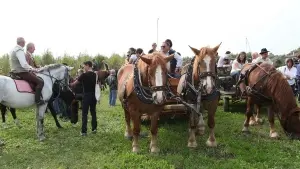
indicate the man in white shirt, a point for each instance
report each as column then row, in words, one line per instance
column 20, row 67
column 132, row 56
column 174, row 66
column 289, row 72
column 222, row 58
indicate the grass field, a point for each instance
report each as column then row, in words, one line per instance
column 65, row 148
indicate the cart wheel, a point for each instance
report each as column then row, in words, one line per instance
column 226, row 104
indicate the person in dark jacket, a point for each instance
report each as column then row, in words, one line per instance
column 88, row 80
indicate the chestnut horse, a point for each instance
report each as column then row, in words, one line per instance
column 197, row 86
column 267, row 86
column 142, row 89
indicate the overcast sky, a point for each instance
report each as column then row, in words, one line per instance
column 108, row 26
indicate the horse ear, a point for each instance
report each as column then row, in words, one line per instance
column 196, row 51
column 169, row 58
column 146, row 60
column 215, row 49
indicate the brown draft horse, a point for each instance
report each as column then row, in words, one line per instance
column 201, row 76
column 149, row 72
column 267, row 86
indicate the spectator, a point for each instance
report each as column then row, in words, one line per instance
column 289, row 72
column 221, row 59
column 153, row 48
column 113, row 86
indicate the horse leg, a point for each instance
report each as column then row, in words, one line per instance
column 212, row 108
column 3, row 112
column 14, row 115
column 74, row 111
column 128, row 131
column 248, row 114
column 40, row 114
column 258, row 118
column 136, row 131
column 53, row 113
column 201, row 125
column 153, row 145
column 192, row 143
column 253, row 121
column 273, row 133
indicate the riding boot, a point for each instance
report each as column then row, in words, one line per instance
column 38, row 94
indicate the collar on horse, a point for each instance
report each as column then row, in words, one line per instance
column 255, row 90
column 143, row 93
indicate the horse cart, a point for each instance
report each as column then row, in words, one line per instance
column 227, row 87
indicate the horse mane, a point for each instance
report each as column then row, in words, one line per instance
column 50, row 67
column 280, row 91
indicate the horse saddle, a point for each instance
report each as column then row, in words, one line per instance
column 22, row 85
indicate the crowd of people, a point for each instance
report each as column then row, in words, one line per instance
column 290, row 71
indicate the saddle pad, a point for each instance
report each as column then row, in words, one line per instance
column 23, row 86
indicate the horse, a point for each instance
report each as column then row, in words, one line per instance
column 142, row 89
column 13, row 94
column 197, row 86
column 66, row 96
column 267, row 86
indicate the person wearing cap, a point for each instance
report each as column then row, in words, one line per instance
column 264, row 57
column 222, row 58
column 174, row 66
column 153, row 48
column 289, row 72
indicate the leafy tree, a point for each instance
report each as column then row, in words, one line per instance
column 47, row 58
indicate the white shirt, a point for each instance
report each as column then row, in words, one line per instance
column 133, row 57
column 21, row 57
column 236, row 66
column 260, row 59
column 290, row 72
column 221, row 60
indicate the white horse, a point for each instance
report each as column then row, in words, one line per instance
column 10, row 96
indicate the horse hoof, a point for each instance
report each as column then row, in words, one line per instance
column 246, row 130
column 274, row 135
column 154, row 149
column 192, row 144
column 42, row 138
column 211, row 143
column 260, row 121
column 252, row 123
column 135, row 149
column 4, row 125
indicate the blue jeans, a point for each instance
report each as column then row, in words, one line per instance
column 112, row 97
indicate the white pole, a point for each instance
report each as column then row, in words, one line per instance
column 157, row 32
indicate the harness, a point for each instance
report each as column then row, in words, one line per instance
column 143, row 93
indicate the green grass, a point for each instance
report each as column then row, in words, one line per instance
column 65, row 148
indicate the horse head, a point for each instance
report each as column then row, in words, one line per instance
column 57, row 72
column 153, row 72
column 204, row 68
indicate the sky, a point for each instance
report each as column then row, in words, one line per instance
column 113, row 26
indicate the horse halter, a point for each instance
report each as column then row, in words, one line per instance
column 144, row 93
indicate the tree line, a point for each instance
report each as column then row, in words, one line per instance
column 115, row 61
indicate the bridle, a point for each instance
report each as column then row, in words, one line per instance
column 64, row 83
column 144, row 93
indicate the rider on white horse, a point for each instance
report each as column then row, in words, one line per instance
column 20, row 67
